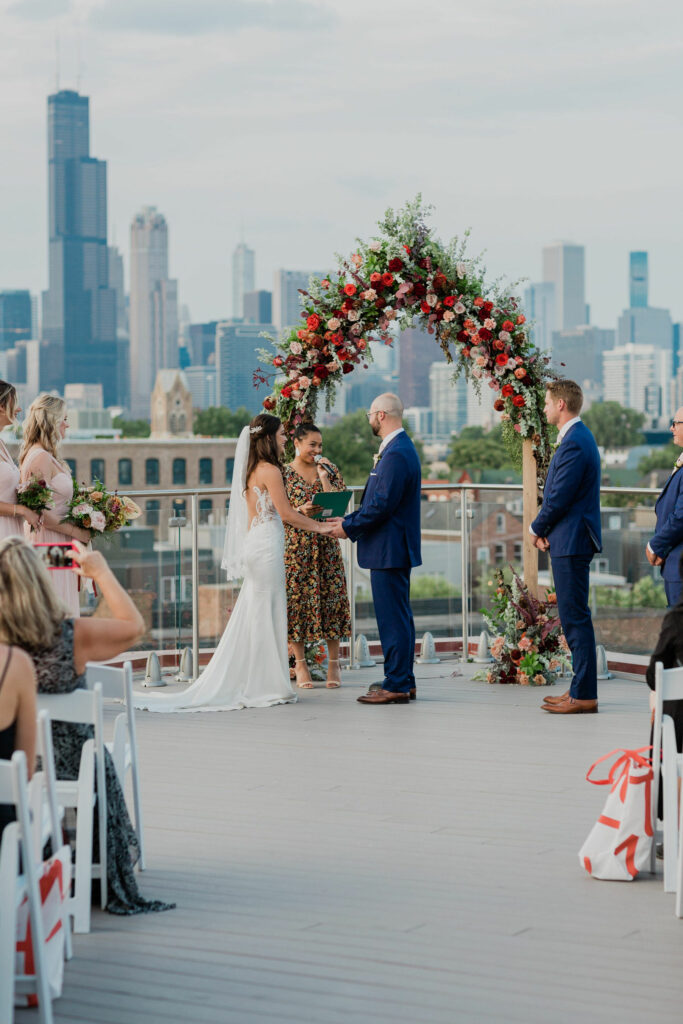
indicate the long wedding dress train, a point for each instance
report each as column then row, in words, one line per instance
column 250, row 667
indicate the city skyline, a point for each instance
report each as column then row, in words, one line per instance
column 525, row 183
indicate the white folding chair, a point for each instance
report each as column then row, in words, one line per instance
column 668, row 686
column 50, row 804
column 117, row 684
column 18, row 837
column 84, row 707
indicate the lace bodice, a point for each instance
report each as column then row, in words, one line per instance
column 265, row 510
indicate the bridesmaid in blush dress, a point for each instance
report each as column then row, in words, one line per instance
column 45, row 427
column 12, row 515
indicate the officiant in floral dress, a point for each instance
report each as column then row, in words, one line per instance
column 317, row 602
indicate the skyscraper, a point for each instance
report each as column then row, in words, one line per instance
column 563, row 265
column 15, row 318
column 539, row 307
column 153, row 307
column 258, row 307
column 637, row 279
column 638, row 376
column 577, row 353
column 79, row 307
column 237, row 357
column 287, row 286
column 417, row 351
column 243, row 277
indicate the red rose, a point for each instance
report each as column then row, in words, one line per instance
column 499, row 405
column 286, row 391
column 347, row 368
column 419, row 290
column 268, row 403
column 395, row 264
column 478, row 302
column 462, row 336
column 449, row 301
column 313, row 321
column 321, row 372
column 278, row 361
column 488, row 306
column 424, row 264
column 507, row 390
column 347, row 304
column 387, row 280
column 499, row 345
column 425, row 307
column 350, row 289
column 518, row 400
column 380, row 303
column 508, row 325
column 501, row 359
column 485, row 334
column 521, row 319
column 375, row 278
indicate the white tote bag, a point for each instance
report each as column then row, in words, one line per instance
column 619, row 844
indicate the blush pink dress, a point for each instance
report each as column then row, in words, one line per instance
column 64, row 581
column 10, row 526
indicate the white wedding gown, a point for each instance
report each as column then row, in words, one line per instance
column 250, row 666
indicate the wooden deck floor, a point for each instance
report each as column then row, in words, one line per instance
column 334, row 862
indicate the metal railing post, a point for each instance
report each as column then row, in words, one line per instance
column 350, row 554
column 464, row 573
column 195, row 585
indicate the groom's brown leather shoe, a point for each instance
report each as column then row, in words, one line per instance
column 412, row 694
column 572, row 706
column 556, row 700
column 384, row 697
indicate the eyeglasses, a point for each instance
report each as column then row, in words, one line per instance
column 677, row 423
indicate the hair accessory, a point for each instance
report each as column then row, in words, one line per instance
column 254, row 430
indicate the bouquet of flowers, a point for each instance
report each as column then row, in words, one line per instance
column 315, row 653
column 98, row 510
column 530, row 647
column 35, row 494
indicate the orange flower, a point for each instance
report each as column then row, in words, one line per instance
column 478, row 301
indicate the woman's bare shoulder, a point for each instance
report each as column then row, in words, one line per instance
column 21, row 663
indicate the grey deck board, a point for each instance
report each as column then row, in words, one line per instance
column 333, row 862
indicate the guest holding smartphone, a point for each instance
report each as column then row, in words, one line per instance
column 317, row 603
column 12, row 515
column 44, row 430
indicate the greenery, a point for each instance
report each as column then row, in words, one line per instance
column 350, row 444
column 217, row 421
column 662, row 458
column 473, row 447
column 131, row 428
column 646, row 593
column 422, row 587
column 613, row 426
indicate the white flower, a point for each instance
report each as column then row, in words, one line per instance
column 334, row 324
column 353, row 315
column 431, row 299
column 357, row 329
column 459, row 308
column 511, row 364
column 369, row 295
column 449, row 315
column 490, row 324
column 82, row 510
column 504, row 336
column 375, row 246
column 98, row 521
column 295, row 348
column 461, row 269
column 293, row 374
column 303, row 382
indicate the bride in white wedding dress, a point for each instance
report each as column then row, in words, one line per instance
column 250, row 667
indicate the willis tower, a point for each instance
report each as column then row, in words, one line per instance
column 79, row 307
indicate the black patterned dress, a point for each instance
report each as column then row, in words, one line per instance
column 56, row 674
column 317, row 603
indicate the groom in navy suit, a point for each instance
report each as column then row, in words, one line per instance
column 568, row 525
column 386, row 527
column 666, row 546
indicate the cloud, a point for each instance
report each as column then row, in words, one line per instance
column 39, row 10
column 183, row 18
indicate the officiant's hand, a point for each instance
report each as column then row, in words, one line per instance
column 309, row 509
column 337, row 528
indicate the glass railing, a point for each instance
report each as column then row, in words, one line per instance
column 169, row 561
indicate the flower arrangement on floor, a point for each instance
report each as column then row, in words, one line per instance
column 98, row 510
column 402, row 278
column 529, row 646
column 315, row 653
column 35, row 494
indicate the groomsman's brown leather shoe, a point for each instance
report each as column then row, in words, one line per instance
column 556, row 700
column 572, row 706
column 384, row 697
column 413, row 694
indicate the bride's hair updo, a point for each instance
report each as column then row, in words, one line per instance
column 263, row 445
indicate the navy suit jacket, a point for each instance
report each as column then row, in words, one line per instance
column 570, row 514
column 386, row 526
column 668, row 539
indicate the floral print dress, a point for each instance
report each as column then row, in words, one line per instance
column 317, row 603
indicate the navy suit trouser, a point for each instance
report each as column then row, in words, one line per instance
column 570, row 573
column 674, row 590
column 391, row 598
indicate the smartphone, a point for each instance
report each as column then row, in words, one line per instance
column 56, row 556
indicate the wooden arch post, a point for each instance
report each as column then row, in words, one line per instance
column 529, row 510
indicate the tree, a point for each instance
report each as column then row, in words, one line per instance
column 131, row 428
column 662, row 458
column 614, row 426
column 217, row 421
column 476, row 449
column 350, row 444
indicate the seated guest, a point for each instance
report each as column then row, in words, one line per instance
column 17, row 712
column 60, row 645
column 669, row 651
column 317, row 604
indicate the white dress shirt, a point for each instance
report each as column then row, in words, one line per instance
column 388, row 438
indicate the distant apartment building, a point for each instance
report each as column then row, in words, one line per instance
column 153, row 307
column 564, row 267
column 418, row 351
column 447, row 400
column 638, row 376
column 577, row 353
column 243, row 277
column 201, row 339
column 258, row 307
column 287, row 285
column 201, row 380
column 237, row 357
column 539, row 308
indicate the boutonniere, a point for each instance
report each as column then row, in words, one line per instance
column 375, row 458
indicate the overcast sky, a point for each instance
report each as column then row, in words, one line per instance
column 302, row 120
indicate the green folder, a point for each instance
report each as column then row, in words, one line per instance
column 332, row 503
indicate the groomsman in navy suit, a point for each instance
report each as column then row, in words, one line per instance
column 386, row 528
column 666, row 546
column 568, row 525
